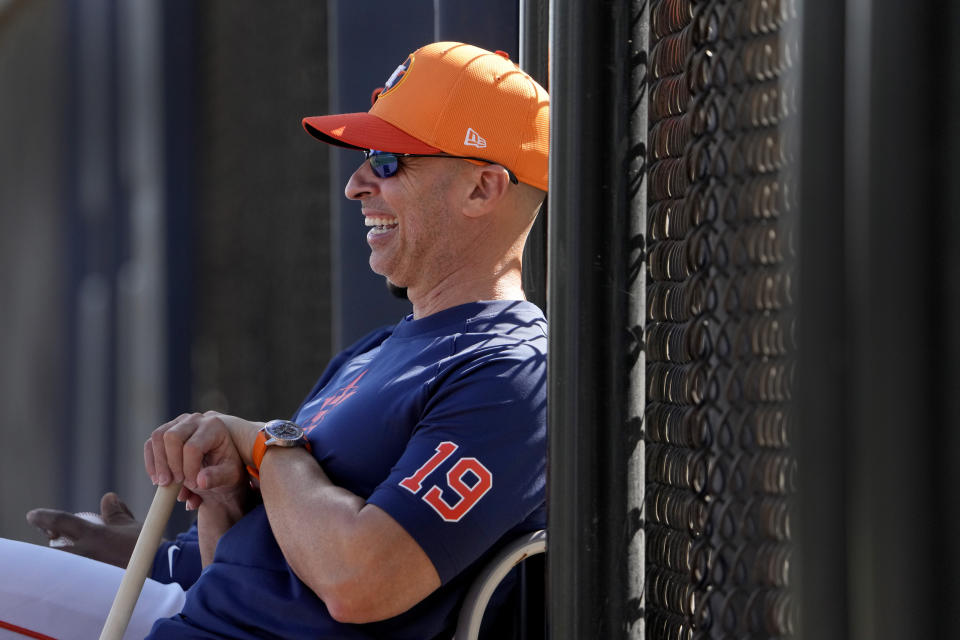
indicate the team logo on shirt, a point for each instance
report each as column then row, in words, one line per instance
column 467, row 478
column 332, row 401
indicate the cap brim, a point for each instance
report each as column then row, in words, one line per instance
column 364, row 131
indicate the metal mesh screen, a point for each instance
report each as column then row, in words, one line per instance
column 720, row 329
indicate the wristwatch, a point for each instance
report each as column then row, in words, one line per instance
column 276, row 433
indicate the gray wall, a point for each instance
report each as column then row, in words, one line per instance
column 207, row 241
column 31, row 259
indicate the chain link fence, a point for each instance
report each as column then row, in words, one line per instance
column 720, row 335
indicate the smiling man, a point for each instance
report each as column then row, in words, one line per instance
column 422, row 451
column 457, row 146
column 425, row 453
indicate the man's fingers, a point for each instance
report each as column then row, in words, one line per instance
column 194, row 451
column 216, row 476
column 181, row 442
column 148, row 460
column 173, row 453
column 59, row 523
column 155, row 452
column 158, row 452
column 41, row 519
column 114, row 511
column 210, row 436
column 191, row 500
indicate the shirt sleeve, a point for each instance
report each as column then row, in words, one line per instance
column 178, row 560
column 474, row 468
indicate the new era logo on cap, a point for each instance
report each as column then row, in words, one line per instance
column 474, row 139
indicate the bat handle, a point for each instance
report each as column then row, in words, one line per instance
column 141, row 561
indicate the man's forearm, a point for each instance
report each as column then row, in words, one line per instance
column 213, row 520
column 312, row 519
column 354, row 556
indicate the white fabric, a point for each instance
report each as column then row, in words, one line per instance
column 68, row 597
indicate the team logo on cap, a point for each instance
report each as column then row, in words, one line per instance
column 474, row 139
column 397, row 77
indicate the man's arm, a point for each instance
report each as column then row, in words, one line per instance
column 178, row 560
column 198, row 451
column 111, row 542
column 355, row 557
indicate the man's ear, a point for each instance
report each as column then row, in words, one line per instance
column 490, row 186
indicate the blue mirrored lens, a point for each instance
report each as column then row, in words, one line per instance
column 383, row 164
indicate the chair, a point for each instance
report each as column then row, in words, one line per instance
column 475, row 603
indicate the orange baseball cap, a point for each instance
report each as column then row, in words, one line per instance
column 454, row 98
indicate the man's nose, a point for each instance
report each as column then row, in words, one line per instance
column 362, row 183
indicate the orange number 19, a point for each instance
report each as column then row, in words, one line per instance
column 469, row 495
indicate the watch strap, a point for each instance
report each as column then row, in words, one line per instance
column 260, row 449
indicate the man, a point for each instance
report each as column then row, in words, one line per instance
column 419, row 455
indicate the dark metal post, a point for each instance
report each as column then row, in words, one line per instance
column 878, row 317
column 534, row 36
column 591, row 354
column 895, row 218
column 948, row 161
column 822, row 405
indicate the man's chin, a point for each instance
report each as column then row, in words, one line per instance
column 396, row 290
column 376, row 266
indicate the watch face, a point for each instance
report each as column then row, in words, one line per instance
column 283, row 430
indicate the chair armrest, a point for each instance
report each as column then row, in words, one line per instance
column 475, row 603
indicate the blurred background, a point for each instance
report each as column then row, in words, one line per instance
column 170, row 238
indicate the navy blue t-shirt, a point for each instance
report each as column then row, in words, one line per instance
column 178, row 560
column 443, row 426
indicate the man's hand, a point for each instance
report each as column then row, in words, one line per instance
column 201, row 451
column 204, row 453
column 110, row 542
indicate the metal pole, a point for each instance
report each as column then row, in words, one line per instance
column 591, row 434
column 878, row 282
column 822, row 406
column 895, row 218
column 534, row 35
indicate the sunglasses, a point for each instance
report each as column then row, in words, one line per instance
column 386, row 164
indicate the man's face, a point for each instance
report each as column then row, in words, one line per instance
column 412, row 221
